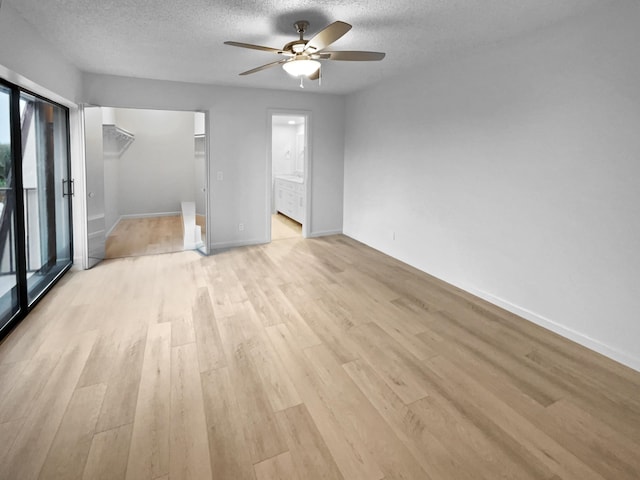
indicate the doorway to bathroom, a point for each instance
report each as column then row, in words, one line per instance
column 289, row 175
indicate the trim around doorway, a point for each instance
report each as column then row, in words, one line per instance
column 308, row 163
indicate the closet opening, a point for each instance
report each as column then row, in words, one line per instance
column 146, row 182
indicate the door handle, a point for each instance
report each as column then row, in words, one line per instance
column 70, row 190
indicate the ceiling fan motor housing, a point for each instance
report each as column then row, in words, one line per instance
column 296, row 46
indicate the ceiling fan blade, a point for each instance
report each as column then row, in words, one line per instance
column 264, row 67
column 355, row 56
column 315, row 75
column 254, row 47
column 326, row 37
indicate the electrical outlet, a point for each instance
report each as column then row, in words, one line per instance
column 241, row 227
column 219, row 176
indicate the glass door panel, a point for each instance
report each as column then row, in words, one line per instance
column 9, row 304
column 45, row 163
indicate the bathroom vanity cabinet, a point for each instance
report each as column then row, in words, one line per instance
column 289, row 197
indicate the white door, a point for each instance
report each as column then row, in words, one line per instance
column 201, row 181
column 94, row 161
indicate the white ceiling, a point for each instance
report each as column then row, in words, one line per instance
column 182, row 40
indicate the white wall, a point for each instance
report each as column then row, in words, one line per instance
column 238, row 138
column 514, row 175
column 283, row 146
column 283, row 153
column 28, row 60
column 300, row 148
column 156, row 172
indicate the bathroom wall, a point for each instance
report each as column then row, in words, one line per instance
column 283, row 149
column 300, row 149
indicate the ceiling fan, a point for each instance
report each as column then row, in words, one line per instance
column 303, row 55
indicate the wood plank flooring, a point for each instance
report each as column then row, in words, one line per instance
column 146, row 236
column 301, row 359
column 283, row 227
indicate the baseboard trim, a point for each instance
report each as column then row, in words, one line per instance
column 324, row 233
column 112, row 228
column 151, row 215
column 97, row 234
column 239, row 243
column 540, row 320
column 569, row 333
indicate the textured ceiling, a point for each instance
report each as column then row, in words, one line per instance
column 182, row 40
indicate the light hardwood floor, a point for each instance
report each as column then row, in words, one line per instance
column 301, row 359
column 284, row 227
column 146, row 236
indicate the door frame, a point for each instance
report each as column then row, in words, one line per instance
column 87, row 261
column 308, row 162
column 207, row 183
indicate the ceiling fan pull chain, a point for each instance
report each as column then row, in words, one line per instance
column 301, row 84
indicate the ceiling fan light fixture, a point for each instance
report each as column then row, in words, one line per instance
column 301, row 67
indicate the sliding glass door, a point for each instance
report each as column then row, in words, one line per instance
column 35, row 191
column 9, row 305
column 45, row 169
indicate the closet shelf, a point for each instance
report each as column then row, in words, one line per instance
column 116, row 139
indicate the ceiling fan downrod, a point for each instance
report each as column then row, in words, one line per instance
column 301, row 27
